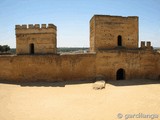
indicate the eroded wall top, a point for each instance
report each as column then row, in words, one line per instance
column 108, row 32
column 37, row 28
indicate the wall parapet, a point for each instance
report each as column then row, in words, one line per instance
column 146, row 45
column 111, row 16
column 35, row 28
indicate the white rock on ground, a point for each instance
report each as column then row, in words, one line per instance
column 99, row 85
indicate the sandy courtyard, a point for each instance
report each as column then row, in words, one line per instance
column 70, row 101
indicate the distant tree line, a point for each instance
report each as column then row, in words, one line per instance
column 71, row 49
column 4, row 48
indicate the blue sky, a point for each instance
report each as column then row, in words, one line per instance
column 72, row 18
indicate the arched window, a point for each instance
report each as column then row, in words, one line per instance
column 120, row 74
column 119, row 41
column 31, row 48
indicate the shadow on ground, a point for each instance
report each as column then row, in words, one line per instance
column 63, row 83
column 133, row 82
column 48, row 84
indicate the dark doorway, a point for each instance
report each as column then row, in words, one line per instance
column 119, row 40
column 120, row 74
column 31, row 48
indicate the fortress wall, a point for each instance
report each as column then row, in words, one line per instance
column 78, row 66
column 43, row 43
column 47, row 67
column 105, row 29
column 92, row 36
column 43, row 37
column 37, row 28
column 157, row 66
column 137, row 64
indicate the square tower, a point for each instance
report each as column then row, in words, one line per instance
column 109, row 32
column 33, row 39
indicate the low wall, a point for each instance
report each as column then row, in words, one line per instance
column 47, row 67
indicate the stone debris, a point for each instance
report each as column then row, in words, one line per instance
column 99, row 85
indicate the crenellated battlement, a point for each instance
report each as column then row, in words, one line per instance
column 32, row 26
column 36, row 39
column 146, row 45
column 35, row 28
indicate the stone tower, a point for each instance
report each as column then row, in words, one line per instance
column 33, row 39
column 109, row 32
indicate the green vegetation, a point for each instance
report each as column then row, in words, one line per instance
column 4, row 49
column 60, row 49
column 13, row 51
column 71, row 49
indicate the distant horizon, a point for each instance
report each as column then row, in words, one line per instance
column 72, row 18
column 87, row 47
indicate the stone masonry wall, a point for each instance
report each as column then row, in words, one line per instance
column 43, row 38
column 105, row 29
column 137, row 64
column 109, row 54
column 47, row 67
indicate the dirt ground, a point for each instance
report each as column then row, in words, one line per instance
column 120, row 100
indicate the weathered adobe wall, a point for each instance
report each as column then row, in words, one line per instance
column 104, row 31
column 47, row 67
column 138, row 64
column 92, row 35
column 44, row 38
